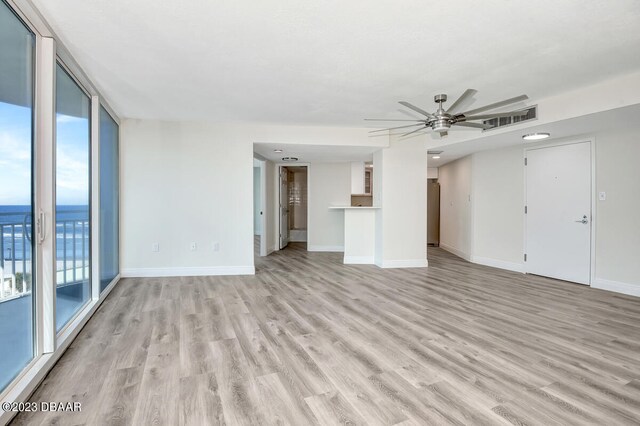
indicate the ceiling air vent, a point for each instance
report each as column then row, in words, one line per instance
column 532, row 114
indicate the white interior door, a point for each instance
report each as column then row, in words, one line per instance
column 558, row 215
column 284, row 207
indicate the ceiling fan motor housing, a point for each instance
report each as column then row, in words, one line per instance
column 441, row 125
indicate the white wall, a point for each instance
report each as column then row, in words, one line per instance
column 617, row 228
column 497, row 207
column 329, row 185
column 183, row 183
column 455, row 207
column 357, row 177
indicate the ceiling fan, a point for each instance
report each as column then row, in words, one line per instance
column 441, row 120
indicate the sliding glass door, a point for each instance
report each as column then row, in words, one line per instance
column 109, row 200
column 17, row 299
column 73, row 183
column 50, row 166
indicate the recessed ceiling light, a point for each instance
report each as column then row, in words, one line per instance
column 277, row 150
column 535, row 136
column 435, row 157
column 289, row 159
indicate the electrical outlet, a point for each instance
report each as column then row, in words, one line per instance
column 216, row 246
column 155, row 247
column 602, row 196
column 194, row 247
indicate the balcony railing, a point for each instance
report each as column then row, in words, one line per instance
column 72, row 251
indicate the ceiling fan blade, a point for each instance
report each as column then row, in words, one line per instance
column 393, row 128
column 474, row 125
column 467, row 94
column 418, row 134
column 497, row 105
column 409, row 114
column 390, row 119
column 415, row 108
column 497, row 115
column 377, row 135
column 413, row 131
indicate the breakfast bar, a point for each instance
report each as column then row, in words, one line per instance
column 359, row 234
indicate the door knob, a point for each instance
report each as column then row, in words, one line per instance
column 584, row 220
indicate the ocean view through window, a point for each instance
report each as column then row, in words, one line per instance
column 73, row 224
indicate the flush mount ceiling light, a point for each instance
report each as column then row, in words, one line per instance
column 277, row 150
column 290, row 159
column 535, row 136
column 435, row 154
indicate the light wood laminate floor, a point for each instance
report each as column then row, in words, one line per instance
column 309, row 340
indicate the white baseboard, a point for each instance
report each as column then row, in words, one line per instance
column 404, row 263
column 617, row 286
column 358, row 260
column 325, row 248
column 188, row 271
column 501, row 264
column 455, row 251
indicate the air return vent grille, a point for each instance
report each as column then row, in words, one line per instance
column 532, row 114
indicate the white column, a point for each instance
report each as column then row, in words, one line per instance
column 400, row 189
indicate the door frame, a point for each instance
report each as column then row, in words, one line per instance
column 277, row 197
column 263, row 206
column 592, row 221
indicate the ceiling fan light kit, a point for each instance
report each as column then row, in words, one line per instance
column 442, row 120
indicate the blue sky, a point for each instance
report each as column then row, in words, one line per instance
column 72, row 183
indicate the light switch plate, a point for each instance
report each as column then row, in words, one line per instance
column 155, row 247
column 602, row 196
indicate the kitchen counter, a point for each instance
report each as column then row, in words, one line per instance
column 359, row 234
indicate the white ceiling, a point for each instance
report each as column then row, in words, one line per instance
column 315, row 153
column 337, row 62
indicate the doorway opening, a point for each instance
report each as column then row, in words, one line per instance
column 293, row 205
column 259, row 213
column 433, row 213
